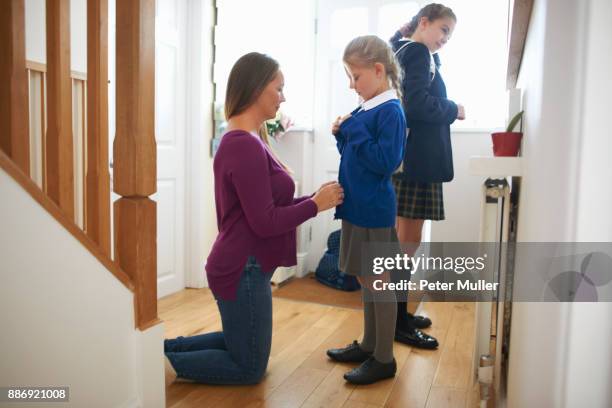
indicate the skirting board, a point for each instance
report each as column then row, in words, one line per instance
column 284, row 273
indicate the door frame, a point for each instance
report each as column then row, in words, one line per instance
column 200, row 216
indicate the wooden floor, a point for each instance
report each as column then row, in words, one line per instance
column 300, row 374
column 308, row 289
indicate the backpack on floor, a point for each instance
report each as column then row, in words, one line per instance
column 328, row 273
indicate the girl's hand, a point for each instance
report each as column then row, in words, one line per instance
column 328, row 196
column 404, row 29
column 336, row 125
column 460, row 112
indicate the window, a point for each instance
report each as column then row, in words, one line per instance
column 282, row 29
column 347, row 24
column 474, row 62
column 392, row 16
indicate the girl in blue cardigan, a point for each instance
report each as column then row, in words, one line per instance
column 371, row 144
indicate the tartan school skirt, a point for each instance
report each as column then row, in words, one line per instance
column 422, row 201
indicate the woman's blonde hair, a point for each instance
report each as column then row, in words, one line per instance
column 368, row 50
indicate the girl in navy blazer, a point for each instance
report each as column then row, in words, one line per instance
column 428, row 159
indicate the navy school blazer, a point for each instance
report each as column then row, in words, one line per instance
column 429, row 114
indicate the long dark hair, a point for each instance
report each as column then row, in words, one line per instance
column 248, row 78
column 433, row 12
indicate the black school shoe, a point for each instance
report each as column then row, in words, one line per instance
column 349, row 354
column 416, row 338
column 420, row 322
column 371, row 371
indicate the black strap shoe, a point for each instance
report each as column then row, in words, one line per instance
column 420, row 322
column 349, row 354
column 371, row 371
column 416, row 338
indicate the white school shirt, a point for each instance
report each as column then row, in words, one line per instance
column 379, row 99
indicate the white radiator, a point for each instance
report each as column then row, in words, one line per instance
column 499, row 196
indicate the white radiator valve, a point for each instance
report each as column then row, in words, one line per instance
column 485, row 375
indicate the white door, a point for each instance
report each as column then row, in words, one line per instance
column 170, row 131
column 340, row 21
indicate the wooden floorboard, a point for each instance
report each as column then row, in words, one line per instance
column 445, row 397
column 416, row 377
column 455, row 362
column 308, row 289
column 300, row 374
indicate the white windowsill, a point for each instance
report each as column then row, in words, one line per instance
column 453, row 130
column 495, row 166
column 299, row 129
column 473, row 130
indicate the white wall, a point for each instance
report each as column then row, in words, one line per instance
column 66, row 320
column 536, row 359
column 462, row 196
column 296, row 150
column 559, row 352
column 36, row 47
column 525, row 383
column 589, row 364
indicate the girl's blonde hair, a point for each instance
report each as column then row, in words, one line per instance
column 367, row 50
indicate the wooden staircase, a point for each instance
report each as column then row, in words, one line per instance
column 134, row 147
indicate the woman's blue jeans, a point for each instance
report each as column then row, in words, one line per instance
column 239, row 354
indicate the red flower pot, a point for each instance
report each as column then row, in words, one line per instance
column 506, row 143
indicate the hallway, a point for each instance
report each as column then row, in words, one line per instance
column 299, row 373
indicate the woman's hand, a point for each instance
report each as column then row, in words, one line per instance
column 327, row 183
column 329, row 195
column 460, row 112
column 338, row 122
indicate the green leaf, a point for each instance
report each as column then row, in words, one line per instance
column 514, row 122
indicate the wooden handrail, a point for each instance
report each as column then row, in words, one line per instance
column 14, row 128
column 32, row 189
column 135, row 154
column 59, row 154
column 97, row 209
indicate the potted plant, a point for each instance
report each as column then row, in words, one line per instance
column 279, row 125
column 508, row 143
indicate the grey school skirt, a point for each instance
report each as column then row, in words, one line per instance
column 352, row 239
